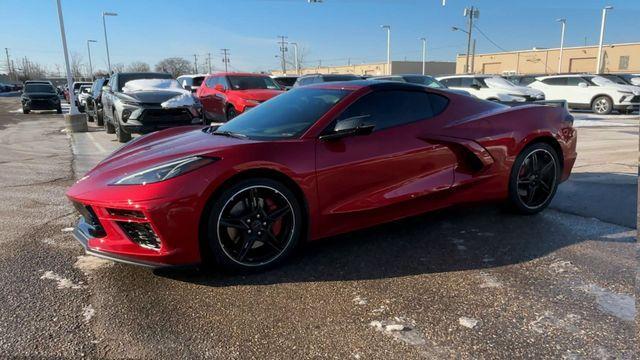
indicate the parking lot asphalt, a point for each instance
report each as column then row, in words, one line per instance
column 468, row 282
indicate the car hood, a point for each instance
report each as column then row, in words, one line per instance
column 151, row 97
column 257, row 94
column 521, row 90
column 627, row 88
column 161, row 147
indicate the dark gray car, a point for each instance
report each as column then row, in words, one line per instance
column 141, row 111
column 94, row 102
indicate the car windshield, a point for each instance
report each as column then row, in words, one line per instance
column 285, row 116
column 425, row 80
column 498, row 82
column 616, row 79
column 286, row 81
column 197, row 81
column 330, row 78
column 600, row 81
column 252, row 82
column 39, row 88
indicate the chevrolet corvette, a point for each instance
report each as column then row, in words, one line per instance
column 314, row 162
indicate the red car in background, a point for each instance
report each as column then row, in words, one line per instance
column 314, row 162
column 226, row 95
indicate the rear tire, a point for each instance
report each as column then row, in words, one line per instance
column 244, row 235
column 602, row 105
column 59, row 110
column 108, row 127
column 534, row 179
column 99, row 118
column 25, row 111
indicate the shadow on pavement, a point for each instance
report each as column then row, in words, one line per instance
column 449, row 240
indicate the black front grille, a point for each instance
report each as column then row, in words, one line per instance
column 141, row 233
column 166, row 116
column 90, row 217
column 635, row 99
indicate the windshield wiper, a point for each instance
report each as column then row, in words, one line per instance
column 230, row 134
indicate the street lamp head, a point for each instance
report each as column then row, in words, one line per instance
column 387, row 27
column 423, row 39
column 562, row 20
column 95, row 41
column 453, row 28
column 609, row 7
column 106, row 13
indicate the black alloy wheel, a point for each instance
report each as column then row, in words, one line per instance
column 254, row 225
column 534, row 178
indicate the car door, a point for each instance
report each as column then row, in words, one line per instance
column 205, row 94
column 107, row 97
column 395, row 164
column 577, row 94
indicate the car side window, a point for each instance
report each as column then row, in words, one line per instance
column 210, row 82
column 114, row 83
column 559, row 81
column 223, row 81
column 574, row 81
column 452, row 82
column 386, row 109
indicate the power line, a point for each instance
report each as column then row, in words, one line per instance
column 486, row 37
column 225, row 59
column 283, row 48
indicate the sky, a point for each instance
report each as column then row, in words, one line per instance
column 334, row 32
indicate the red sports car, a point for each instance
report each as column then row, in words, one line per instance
column 227, row 95
column 315, row 162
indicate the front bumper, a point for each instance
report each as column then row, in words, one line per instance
column 149, row 119
column 41, row 104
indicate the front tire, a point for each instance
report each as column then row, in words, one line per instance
column 602, row 105
column 108, row 127
column 25, row 111
column 122, row 135
column 253, row 225
column 99, row 117
column 534, row 179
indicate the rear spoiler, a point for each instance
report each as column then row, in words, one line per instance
column 553, row 103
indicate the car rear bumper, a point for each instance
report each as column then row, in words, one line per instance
column 37, row 104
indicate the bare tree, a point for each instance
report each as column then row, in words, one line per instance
column 175, row 66
column 138, row 66
column 29, row 70
column 303, row 57
column 101, row 74
column 117, row 68
column 77, row 65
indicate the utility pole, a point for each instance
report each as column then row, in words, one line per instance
column 6, row 50
column 564, row 24
column 424, row 55
column 602, row 26
column 209, row 61
column 106, row 42
column 195, row 63
column 470, row 13
column 283, row 49
column 225, row 59
column 90, row 65
column 388, row 28
column 473, row 56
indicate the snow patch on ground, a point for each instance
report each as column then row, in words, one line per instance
column 87, row 264
column 88, row 312
column 548, row 322
column 489, row 281
column 400, row 329
column 595, row 123
column 622, row 306
column 468, row 322
column 561, row 266
column 360, row 300
column 63, row 283
column 67, row 229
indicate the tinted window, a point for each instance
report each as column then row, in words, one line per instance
column 385, row 109
column 124, row 77
column 285, row 116
column 330, row 78
column 574, row 81
column 251, row 82
column 286, row 81
column 424, row 80
column 555, row 81
column 211, row 82
column 39, row 88
column 453, row 82
column 197, row 81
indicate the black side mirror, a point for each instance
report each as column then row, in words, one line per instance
column 349, row 127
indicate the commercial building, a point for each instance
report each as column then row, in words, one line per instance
column 623, row 58
column 379, row 68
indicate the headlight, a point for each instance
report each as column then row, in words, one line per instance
column 517, row 97
column 165, row 171
column 125, row 114
column 625, row 92
column 131, row 103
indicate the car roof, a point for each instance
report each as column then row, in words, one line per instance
column 372, row 84
column 191, row 76
column 467, row 76
column 564, row 75
column 237, row 74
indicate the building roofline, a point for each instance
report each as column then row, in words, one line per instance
column 549, row 49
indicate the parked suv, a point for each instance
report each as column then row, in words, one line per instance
column 94, row 102
column 582, row 91
column 491, row 87
column 132, row 105
column 320, row 78
column 227, row 95
column 191, row 82
column 40, row 96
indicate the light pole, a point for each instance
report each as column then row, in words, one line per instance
column 424, row 55
column 106, row 42
column 388, row 28
column 471, row 13
column 466, row 65
column 563, row 21
column 604, row 21
column 89, row 51
column 72, row 101
column 295, row 57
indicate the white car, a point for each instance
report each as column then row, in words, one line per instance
column 191, row 82
column 583, row 91
column 490, row 87
column 83, row 94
